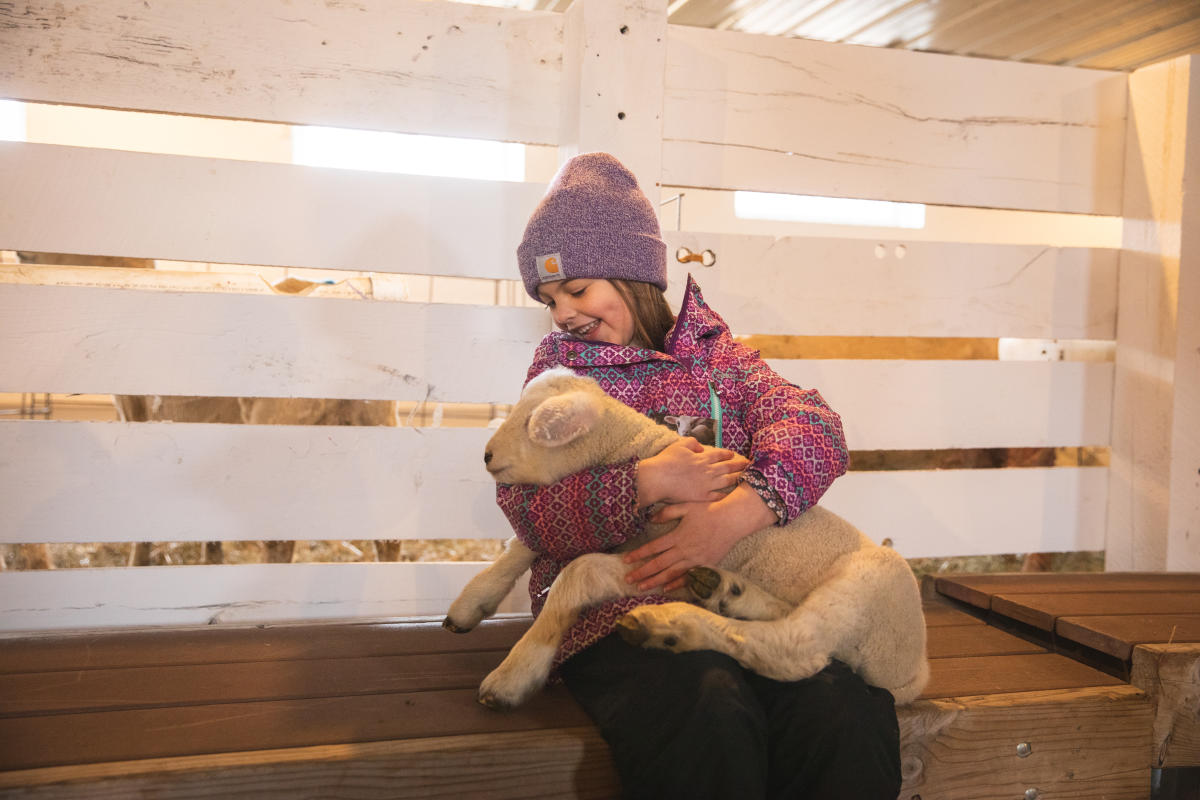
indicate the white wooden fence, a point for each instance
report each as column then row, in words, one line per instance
column 687, row 108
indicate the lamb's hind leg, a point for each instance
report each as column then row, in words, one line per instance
column 789, row 649
column 587, row 580
column 482, row 595
column 731, row 595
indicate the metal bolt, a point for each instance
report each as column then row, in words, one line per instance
column 1031, row 794
column 1023, row 750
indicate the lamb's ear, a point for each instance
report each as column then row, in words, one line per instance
column 563, row 418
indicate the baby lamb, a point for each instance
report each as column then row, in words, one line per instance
column 783, row 602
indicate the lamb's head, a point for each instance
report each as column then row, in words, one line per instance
column 562, row 424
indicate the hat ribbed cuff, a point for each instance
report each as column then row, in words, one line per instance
column 590, row 253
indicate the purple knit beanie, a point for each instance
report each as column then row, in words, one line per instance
column 594, row 222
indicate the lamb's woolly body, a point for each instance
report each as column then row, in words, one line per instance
column 809, row 591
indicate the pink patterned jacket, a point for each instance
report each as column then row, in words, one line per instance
column 792, row 438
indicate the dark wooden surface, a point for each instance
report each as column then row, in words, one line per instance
column 105, row 697
column 1105, row 614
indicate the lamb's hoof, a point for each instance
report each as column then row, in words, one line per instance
column 493, row 702
column 703, row 581
column 450, row 626
column 632, row 631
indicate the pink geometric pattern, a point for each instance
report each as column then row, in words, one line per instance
column 793, row 439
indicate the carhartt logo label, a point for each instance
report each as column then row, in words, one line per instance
column 550, row 267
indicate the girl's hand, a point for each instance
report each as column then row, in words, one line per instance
column 706, row 532
column 687, row 471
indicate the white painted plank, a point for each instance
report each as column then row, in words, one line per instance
column 977, row 511
column 81, row 339
column 1161, row 162
column 916, row 405
column 770, row 113
column 110, row 202
column 848, row 287
column 178, row 482
column 614, row 54
column 970, row 512
column 402, row 65
column 93, row 481
column 1183, row 523
column 233, row 594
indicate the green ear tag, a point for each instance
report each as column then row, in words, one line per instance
column 715, row 404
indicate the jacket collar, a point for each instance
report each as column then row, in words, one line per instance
column 695, row 321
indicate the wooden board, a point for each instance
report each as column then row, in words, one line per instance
column 555, row 762
column 233, row 594
column 955, row 641
column 131, row 688
column 1041, row 610
column 776, row 114
column 976, row 511
column 1119, row 634
column 232, row 644
column 978, row 589
column 1027, row 672
column 910, row 405
column 242, row 212
column 89, row 737
column 1153, row 512
column 78, row 339
column 841, row 287
column 249, row 707
column 939, row 613
column 1086, row 743
column 398, row 65
column 199, row 482
column 1170, row 675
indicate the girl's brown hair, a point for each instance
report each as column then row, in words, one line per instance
column 652, row 317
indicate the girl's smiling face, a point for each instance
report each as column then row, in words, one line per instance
column 589, row 308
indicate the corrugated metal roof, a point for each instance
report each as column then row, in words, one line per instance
column 1104, row 34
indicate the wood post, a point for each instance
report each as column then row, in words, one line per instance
column 614, row 60
column 1154, row 489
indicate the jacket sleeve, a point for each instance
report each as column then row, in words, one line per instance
column 797, row 447
column 588, row 512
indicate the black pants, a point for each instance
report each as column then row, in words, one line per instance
column 697, row 725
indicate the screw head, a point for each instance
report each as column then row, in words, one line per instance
column 1023, row 750
column 1031, row 794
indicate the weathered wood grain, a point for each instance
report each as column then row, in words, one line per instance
column 196, row 482
column 1118, row 635
column 399, row 65
column 58, row 600
column 841, row 287
column 1170, row 675
column 232, row 643
column 523, row 765
column 775, row 114
column 1085, row 743
column 243, row 212
column 1041, row 610
column 899, row 404
column 117, row 341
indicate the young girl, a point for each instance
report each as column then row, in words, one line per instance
column 690, row 724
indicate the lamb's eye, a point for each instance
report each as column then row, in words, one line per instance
column 735, row 590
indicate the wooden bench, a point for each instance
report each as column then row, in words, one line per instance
column 1141, row 627
column 388, row 708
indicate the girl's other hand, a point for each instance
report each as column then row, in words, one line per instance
column 688, row 472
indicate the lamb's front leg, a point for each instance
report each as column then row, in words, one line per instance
column 586, row 581
column 788, row 649
column 482, row 595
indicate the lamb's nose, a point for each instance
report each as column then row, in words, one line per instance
column 487, row 457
